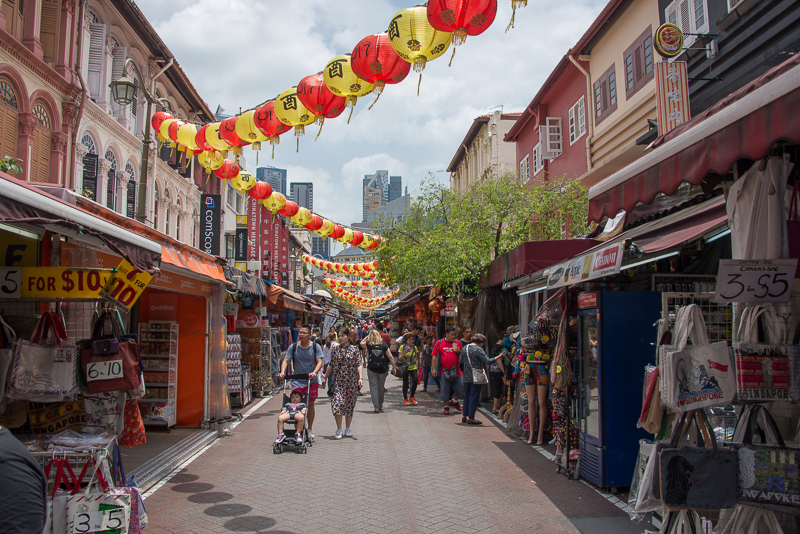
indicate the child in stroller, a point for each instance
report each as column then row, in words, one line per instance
column 295, row 411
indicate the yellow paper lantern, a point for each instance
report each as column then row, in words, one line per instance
column 243, row 181
column 347, row 237
column 291, row 112
column 186, row 134
column 302, row 218
column 274, row 202
column 163, row 131
column 214, row 140
column 342, row 81
column 367, row 242
column 210, row 160
column 247, row 131
column 414, row 39
column 326, row 229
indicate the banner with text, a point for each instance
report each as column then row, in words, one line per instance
column 598, row 264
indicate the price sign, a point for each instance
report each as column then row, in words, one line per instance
column 105, row 370
column 108, row 519
column 755, row 280
column 10, row 282
column 126, row 285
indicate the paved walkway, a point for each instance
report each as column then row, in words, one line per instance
column 410, row 469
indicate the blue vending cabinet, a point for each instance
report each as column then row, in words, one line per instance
column 615, row 342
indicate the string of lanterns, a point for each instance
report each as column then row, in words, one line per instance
column 363, row 270
column 347, row 283
column 363, row 302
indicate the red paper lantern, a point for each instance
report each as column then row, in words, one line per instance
column 289, row 209
column 228, row 170
column 338, row 231
column 374, row 60
column 420, row 315
column 358, row 237
column 315, row 95
column 315, row 224
column 269, row 124
column 461, row 18
column 172, row 131
column 200, row 139
column 158, row 118
column 260, row 190
column 227, row 132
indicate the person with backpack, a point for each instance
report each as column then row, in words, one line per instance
column 306, row 357
column 445, row 365
column 378, row 360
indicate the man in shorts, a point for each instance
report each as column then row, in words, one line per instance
column 306, row 357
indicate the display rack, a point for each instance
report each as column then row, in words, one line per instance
column 159, row 347
column 256, row 349
column 238, row 376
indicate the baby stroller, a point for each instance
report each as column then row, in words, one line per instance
column 289, row 429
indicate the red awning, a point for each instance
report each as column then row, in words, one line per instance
column 686, row 227
column 745, row 124
column 531, row 257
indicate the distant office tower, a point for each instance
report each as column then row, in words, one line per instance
column 376, row 193
column 303, row 194
column 320, row 246
column 276, row 178
column 395, row 188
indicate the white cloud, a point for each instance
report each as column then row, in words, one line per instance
column 239, row 53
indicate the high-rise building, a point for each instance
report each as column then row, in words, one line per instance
column 320, row 246
column 276, row 178
column 376, row 193
column 395, row 188
column 303, row 194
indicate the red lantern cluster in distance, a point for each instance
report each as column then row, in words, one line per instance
column 260, row 190
column 228, row 170
column 462, row 17
column 374, row 60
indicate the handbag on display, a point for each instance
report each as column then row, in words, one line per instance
column 762, row 370
column 105, row 412
column 478, row 373
column 43, row 372
column 767, row 471
column 699, row 375
column 99, row 508
column 698, row 477
column 7, row 339
column 793, row 225
column 104, row 370
column 128, row 484
column 793, row 353
column 133, row 433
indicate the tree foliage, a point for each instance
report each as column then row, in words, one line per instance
column 448, row 238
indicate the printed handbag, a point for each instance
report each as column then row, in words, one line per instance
column 479, row 376
column 133, row 433
column 112, row 372
column 99, row 509
column 793, row 225
column 128, row 484
column 762, row 370
column 767, row 471
column 694, row 477
column 43, row 372
column 450, row 373
column 105, row 412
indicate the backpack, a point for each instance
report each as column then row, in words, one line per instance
column 294, row 352
column 377, row 360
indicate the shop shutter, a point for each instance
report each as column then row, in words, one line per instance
column 97, row 46
column 48, row 30
column 90, row 176
column 10, row 128
column 40, row 156
column 131, row 209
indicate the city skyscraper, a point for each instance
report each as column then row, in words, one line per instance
column 320, row 246
column 303, row 194
column 395, row 188
column 276, row 178
column 379, row 189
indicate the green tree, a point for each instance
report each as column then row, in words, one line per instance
column 10, row 165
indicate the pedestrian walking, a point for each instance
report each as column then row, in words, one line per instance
column 306, row 357
column 327, row 349
column 409, row 356
column 473, row 358
column 496, row 370
column 378, row 360
column 427, row 357
column 348, row 377
column 445, row 364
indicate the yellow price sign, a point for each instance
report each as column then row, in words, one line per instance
column 126, row 285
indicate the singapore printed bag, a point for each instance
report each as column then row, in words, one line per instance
column 43, row 372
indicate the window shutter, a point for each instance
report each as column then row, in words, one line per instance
column 40, row 156
column 111, row 189
column 48, row 30
column 90, row 176
column 573, row 127
column 553, row 144
column 604, row 93
column 685, row 21
column 131, row 209
column 638, row 65
column 120, row 54
column 10, row 131
column 97, row 44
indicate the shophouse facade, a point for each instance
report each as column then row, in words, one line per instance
column 482, row 154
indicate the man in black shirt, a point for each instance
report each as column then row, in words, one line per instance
column 23, row 487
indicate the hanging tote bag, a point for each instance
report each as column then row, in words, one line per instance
column 478, row 373
column 43, row 372
column 99, row 509
column 762, row 370
column 793, row 225
column 133, row 433
column 793, row 353
column 7, row 339
column 110, row 364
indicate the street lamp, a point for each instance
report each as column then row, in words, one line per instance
column 122, row 91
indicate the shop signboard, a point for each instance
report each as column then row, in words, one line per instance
column 449, row 309
column 253, row 225
column 672, row 95
column 241, row 221
column 211, row 224
column 162, row 307
column 603, row 262
column 18, row 251
column 45, row 283
column 126, row 285
column 755, row 280
column 240, row 245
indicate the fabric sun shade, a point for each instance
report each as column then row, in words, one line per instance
column 532, row 256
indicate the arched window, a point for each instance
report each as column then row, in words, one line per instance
column 178, row 222
column 167, row 205
column 89, row 187
column 40, row 154
column 111, row 188
column 155, row 208
column 9, row 118
column 131, row 194
column 194, row 228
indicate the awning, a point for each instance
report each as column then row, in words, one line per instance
column 745, row 124
column 317, row 310
column 291, row 300
column 294, row 304
column 530, row 257
column 193, row 263
column 23, row 204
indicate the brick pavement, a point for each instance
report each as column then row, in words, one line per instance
column 410, row 469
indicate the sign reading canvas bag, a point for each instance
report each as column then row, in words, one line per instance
column 43, row 372
column 698, row 375
column 762, row 370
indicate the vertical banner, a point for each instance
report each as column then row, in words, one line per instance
column 240, row 245
column 282, row 250
column 253, row 227
column 211, row 224
column 672, row 95
column 275, row 248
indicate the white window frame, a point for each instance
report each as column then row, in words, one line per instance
column 538, row 161
column 551, row 137
column 577, row 120
column 675, row 8
column 524, row 167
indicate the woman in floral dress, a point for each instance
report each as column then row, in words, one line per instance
column 347, row 367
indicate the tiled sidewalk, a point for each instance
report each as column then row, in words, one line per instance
column 410, row 469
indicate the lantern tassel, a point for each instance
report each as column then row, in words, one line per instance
column 513, row 14
column 375, row 102
column 273, row 151
column 451, row 57
column 379, row 85
column 459, row 37
column 351, row 115
column 419, row 63
column 298, row 145
column 419, row 83
column 321, row 124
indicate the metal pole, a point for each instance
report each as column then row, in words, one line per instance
column 142, row 200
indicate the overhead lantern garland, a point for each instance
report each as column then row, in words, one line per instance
column 269, row 124
column 260, row 191
column 316, row 96
column 348, row 283
column 363, row 270
column 244, row 181
column 461, row 18
column 291, row 112
column 214, row 140
column 227, row 132
column 289, row 209
column 211, row 160
column 227, row 170
column 274, row 203
column 415, row 40
column 342, row 81
column 374, row 60
column 246, row 129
